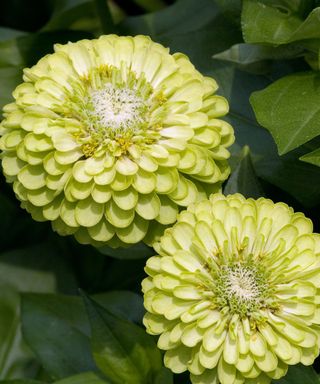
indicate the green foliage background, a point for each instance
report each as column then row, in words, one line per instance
column 265, row 56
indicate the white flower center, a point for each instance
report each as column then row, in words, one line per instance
column 117, row 107
column 241, row 282
column 243, row 287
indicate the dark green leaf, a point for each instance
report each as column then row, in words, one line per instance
column 123, row 274
column 290, row 109
column 122, row 350
column 9, row 33
column 203, row 22
column 25, row 15
column 136, row 251
column 23, row 381
column 243, row 178
column 106, row 20
column 299, row 374
column 89, row 15
column 286, row 172
column 48, row 318
column 245, row 54
column 36, row 45
column 164, row 377
column 312, row 157
column 83, row 378
column 10, row 54
column 124, row 304
column 39, row 268
column 55, row 328
column 10, row 77
column 279, row 22
column 9, row 327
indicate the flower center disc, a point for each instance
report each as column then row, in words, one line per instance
column 117, row 108
column 242, row 287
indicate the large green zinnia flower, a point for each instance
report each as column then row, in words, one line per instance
column 109, row 135
column 234, row 292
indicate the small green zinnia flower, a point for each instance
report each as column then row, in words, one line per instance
column 233, row 293
column 109, row 135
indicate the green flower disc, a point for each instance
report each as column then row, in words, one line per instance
column 109, row 138
column 233, row 291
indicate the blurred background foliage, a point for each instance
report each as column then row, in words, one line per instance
column 265, row 52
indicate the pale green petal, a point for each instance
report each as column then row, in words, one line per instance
column 134, row 232
column 102, row 231
column 40, row 197
column 258, row 345
column 105, row 177
column 212, row 340
column 101, row 193
column 148, row 206
column 88, row 213
column 177, row 359
column 126, row 199
column 231, row 350
column 69, row 157
column 245, row 363
column 121, row 182
column 168, row 211
column 267, row 362
column 126, row 167
column 52, row 166
column 52, row 210
column 144, row 182
column 118, row 217
column 32, row 177
column 226, row 372
column 166, row 180
column 67, row 213
column 208, row 377
column 12, row 165
column 191, row 335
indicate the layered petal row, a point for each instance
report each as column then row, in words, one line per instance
column 233, row 291
column 108, row 139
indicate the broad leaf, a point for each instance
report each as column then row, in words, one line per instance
column 39, row 268
column 204, row 22
column 123, row 274
column 10, row 77
column 93, row 15
column 136, row 251
column 243, row 178
column 245, row 54
column 164, row 376
column 299, row 374
column 122, row 350
column 9, row 327
column 9, row 33
column 124, row 304
column 278, row 22
column 22, row 381
column 84, row 378
column 312, row 157
column 48, row 318
column 290, row 109
column 286, row 172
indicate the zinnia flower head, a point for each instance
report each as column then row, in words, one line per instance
column 233, row 293
column 109, row 135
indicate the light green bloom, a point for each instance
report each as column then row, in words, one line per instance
column 234, row 291
column 109, row 135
